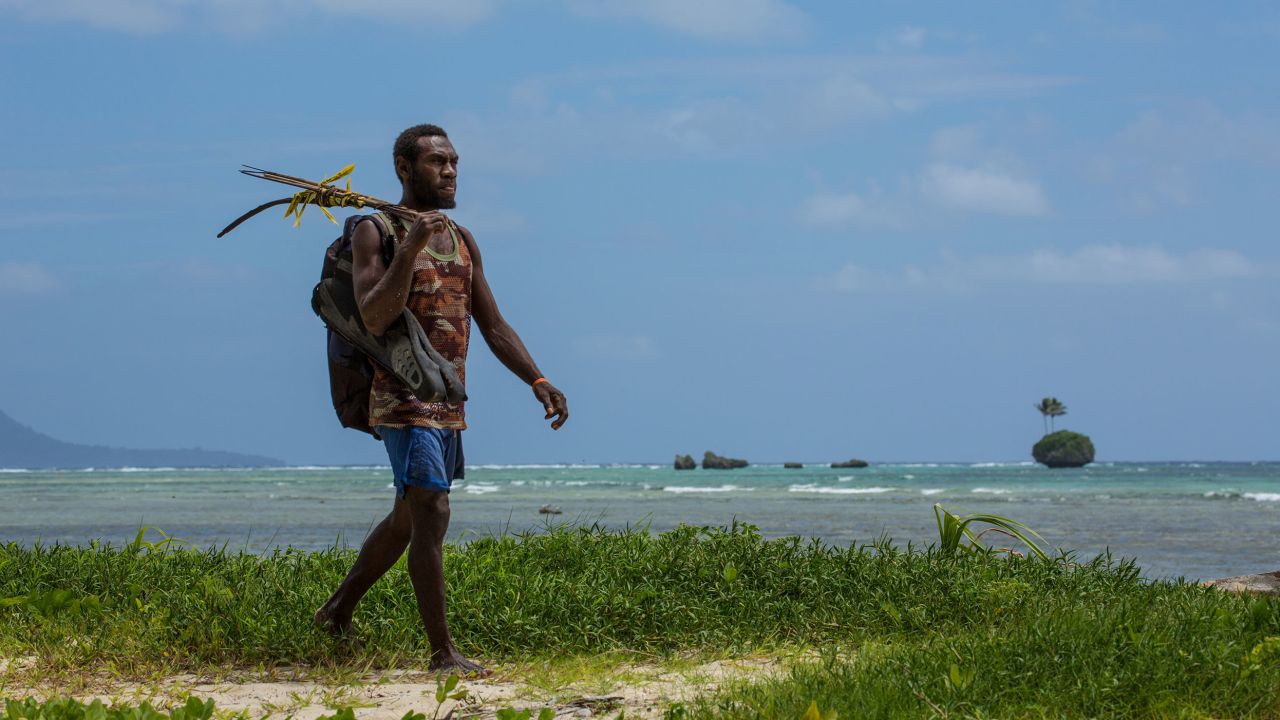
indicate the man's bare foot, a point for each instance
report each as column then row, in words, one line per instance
column 336, row 625
column 451, row 662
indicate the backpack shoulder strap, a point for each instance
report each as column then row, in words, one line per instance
column 390, row 235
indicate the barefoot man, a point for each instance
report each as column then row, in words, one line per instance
column 436, row 272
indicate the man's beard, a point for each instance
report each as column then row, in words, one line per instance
column 427, row 196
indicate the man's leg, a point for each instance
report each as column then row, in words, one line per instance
column 429, row 510
column 380, row 551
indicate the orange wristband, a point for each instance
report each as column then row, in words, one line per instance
column 535, row 382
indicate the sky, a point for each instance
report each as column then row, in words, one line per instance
column 777, row 230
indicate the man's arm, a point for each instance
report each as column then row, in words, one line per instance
column 505, row 343
column 382, row 290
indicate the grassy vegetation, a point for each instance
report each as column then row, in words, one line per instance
column 1158, row 651
column 950, row 633
column 192, row 709
column 67, row 709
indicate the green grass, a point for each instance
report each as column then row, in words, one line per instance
column 192, row 709
column 1156, row 650
column 67, row 709
column 1023, row 634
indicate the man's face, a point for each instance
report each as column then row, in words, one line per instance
column 433, row 176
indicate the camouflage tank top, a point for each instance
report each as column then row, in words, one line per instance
column 440, row 297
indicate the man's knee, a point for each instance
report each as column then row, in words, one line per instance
column 401, row 520
column 429, row 512
column 426, row 504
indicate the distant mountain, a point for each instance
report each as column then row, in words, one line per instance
column 22, row 447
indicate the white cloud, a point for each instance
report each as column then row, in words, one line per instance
column 910, row 37
column 983, row 190
column 966, row 174
column 455, row 13
column 855, row 278
column 722, row 20
column 913, row 38
column 847, row 95
column 724, row 106
column 700, row 127
column 835, row 210
column 717, row 20
column 958, row 144
column 135, row 16
column 1114, row 265
column 240, row 16
column 17, row 278
column 1160, row 158
column 1202, row 131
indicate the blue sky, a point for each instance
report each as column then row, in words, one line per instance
column 778, row 230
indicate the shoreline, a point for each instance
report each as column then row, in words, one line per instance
column 1133, row 511
column 773, row 464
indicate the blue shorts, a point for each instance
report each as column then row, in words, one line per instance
column 429, row 458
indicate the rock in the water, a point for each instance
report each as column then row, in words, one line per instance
column 793, row 466
column 1063, row 449
column 854, row 463
column 685, row 462
column 1262, row 583
column 550, row 510
column 712, row 461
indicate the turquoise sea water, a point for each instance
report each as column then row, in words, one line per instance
column 1199, row 520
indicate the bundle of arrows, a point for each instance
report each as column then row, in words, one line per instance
column 323, row 194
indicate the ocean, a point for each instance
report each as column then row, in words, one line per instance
column 1196, row 520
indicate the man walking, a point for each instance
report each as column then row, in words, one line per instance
column 437, row 274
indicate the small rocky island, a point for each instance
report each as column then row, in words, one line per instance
column 793, row 465
column 712, row 461
column 1063, row 449
column 854, row 463
column 685, row 462
column 1060, row 448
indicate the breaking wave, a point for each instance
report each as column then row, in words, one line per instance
column 813, row 488
column 1263, row 496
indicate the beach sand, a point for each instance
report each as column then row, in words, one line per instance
column 641, row 690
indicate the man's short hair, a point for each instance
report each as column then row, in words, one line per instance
column 407, row 144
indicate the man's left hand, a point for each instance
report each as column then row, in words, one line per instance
column 553, row 402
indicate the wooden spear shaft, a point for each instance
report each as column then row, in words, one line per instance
column 323, row 195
